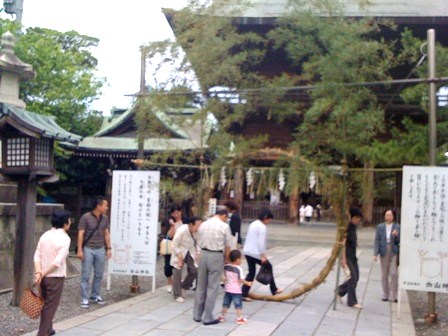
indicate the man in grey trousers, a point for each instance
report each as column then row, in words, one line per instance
column 215, row 240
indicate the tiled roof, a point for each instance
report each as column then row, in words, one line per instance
column 35, row 124
column 380, row 8
column 187, row 133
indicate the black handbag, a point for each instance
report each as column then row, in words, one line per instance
column 264, row 275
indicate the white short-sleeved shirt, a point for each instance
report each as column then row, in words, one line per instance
column 255, row 243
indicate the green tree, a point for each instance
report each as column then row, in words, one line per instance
column 325, row 50
column 65, row 84
column 407, row 139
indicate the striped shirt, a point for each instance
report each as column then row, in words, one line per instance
column 214, row 235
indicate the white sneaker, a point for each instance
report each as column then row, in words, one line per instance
column 98, row 300
column 169, row 288
column 179, row 299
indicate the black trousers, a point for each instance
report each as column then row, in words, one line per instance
column 168, row 269
column 349, row 286
column 51, row 289
column 251, row 264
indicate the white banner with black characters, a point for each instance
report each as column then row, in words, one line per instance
column 134, row 222
column 424, row 240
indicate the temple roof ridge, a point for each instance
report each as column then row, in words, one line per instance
column 35, row 124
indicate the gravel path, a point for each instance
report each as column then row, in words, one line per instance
column 419, row 307
column 13, row 322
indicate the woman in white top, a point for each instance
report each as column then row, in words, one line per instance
column 50, row 267
column 170, row 226
column 185, row 251
column 255, row 251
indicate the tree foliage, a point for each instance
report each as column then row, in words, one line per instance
column 329, row 53
column 65, row 84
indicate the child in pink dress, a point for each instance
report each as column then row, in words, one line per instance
column 233, row 279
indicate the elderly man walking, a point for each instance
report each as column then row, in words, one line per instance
column 214, row 240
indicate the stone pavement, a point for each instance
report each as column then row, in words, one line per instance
column 298, row 254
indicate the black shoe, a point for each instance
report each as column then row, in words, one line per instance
column 395, row 300
column 52, row 332
column 212, row 322
column 196, row 320
column 384, row 299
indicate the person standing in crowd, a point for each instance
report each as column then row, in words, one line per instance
column 318, row 211
column 171, row 224
column 302, row 214
column 185, row 251
column 214, row 240
column 50, row 265
column 233, row 279
column 387, row 246
column 350, row 260
column 94, row 246
column 255, row 251
column 308, row 212
column 235, row 220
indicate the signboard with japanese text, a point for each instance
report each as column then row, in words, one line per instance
column 424, row 220
column 134, row 222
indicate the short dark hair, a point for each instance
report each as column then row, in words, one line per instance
column 98, row 201
column 265, row 214
column 59, row 218
column 231, row 205
column 234, row 255
column 391, row 210
column 194, row 219
column 175, row 207
column 355, row 212
column 221, row 210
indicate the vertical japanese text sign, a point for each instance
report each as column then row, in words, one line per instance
column 424, row 240
column 134, row 222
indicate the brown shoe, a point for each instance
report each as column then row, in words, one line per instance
column 278, row 291
column 247, row 299
column 357, row 306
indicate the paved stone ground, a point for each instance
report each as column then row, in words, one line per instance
column 295, row 317
column 311, row 314
column 14, row 323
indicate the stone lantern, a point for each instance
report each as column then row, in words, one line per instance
column 27, row 141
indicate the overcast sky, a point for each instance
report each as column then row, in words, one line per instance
column 121, row 26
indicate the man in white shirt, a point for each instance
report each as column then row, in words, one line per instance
column 214, row 239
column 308, row 212
column 255, row 250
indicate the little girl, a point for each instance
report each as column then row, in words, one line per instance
column 233, row 280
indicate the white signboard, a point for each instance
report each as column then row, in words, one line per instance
column 424, row 230
column 134, row 222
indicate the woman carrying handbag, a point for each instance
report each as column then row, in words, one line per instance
column 50, row 267
column 170, row 226
column 185, row 252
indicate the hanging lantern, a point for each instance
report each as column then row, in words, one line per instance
column 281, row 180
column 312, row 180
column 249, row 177
column 222, row 177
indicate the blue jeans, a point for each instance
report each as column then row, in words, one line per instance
column 236, row 298
column 92, row 258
